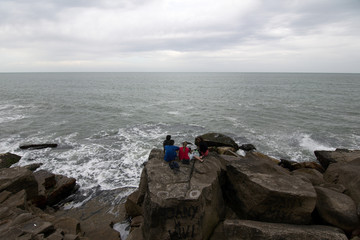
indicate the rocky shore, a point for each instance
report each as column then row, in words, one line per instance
column 228, row 196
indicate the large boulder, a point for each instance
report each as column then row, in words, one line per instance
column 259, row 189
column 219, row 140
column 337, row 209
column 346, row 174
column 182, row 205
column 249, row 230
column 339, row 155
column 8, row 159
column 18, row 178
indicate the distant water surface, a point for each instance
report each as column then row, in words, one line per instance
column 107, row 123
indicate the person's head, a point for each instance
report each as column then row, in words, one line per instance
column 184, row 144
column 168, row 137
column 172, row 142
column 198, row 140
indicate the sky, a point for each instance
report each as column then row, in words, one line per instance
column 180, row 36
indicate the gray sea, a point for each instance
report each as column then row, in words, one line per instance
column 107, row 123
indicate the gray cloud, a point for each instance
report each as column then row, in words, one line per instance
column 179, row 35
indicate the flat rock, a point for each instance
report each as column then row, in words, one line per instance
column 259, row 189
column 8, row 159
column 249, row 230
column 337, row 209
column 182, row 205
column 339, row 155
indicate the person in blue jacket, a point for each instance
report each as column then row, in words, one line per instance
column 171, row 154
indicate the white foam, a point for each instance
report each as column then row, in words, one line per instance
column 174, row 112
column 311, row 145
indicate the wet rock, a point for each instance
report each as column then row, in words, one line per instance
column 32, row 167
column 249, row 230
column 337, row 209
column 219, row 140
column 8, row 159
column 346, row 174
column 247, row 147
column 339, row 155
column 260, row 190
column 39, row 146
column 258, row 155
column 17, row 179
column 292, row 165
column 183, row 205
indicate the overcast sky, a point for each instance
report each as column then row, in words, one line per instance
column 180, row 35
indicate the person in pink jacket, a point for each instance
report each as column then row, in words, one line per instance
column 184, row 153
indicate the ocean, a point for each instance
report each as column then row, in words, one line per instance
column 107, row 123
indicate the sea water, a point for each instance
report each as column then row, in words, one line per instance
column 107, row 123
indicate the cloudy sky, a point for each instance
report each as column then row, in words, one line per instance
column 180, row 35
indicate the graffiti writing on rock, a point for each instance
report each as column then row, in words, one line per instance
column 181, row 232
column 181, row 212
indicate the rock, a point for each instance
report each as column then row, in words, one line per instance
column 258, row 189
column 339, row 155
column 315, row 177
column 136, row 234
column 4, row 195
column 131, row 205
column 32, row 167
column 335, row 187
column 17, row 200
column 337, row 209
column 258, row 155
column 96, row 217
column 219, row 140
column 183, row 205
column 39, row 146
column 346, row 174
column 225, row 150
column 137, row 221
column 249, row 230
column 288, row 164
column 68, row 225
column 312, row 165
column 247, row 147
column 45, row 179
column 17, row 179
column 8, row 159
column 54, row 187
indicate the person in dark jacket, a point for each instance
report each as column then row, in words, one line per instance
column 166, row 141
column 202, row 148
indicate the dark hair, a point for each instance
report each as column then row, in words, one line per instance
column 172, row 142
column 168, row 137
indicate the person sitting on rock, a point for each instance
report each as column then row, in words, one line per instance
column 184, row 154
column 202, row 148
column 170, row 155
column 166, row 141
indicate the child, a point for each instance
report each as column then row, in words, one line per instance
column 184, row 154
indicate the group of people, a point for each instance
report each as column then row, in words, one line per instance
column 184, row 153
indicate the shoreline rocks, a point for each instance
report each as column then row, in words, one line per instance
column 251, row 197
